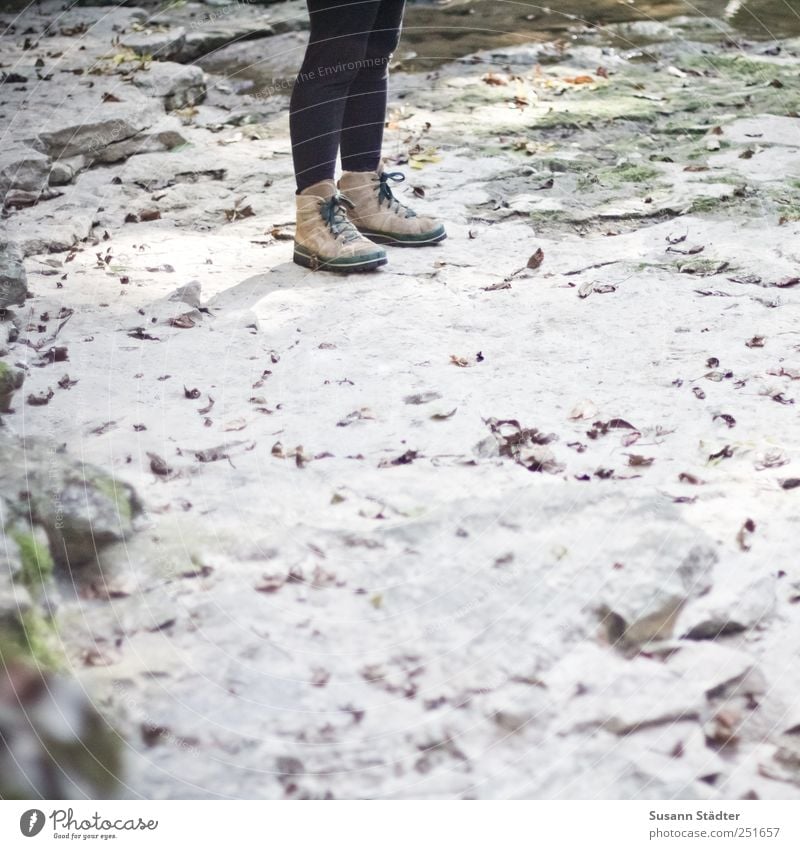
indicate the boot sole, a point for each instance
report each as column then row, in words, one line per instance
column 343, row 266
column 419, row 241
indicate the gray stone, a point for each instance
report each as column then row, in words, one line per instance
column 278, row 57
column 13, row 279
column 19, row 199
column 713, row 668
column 742, row 602
column 11, row 379
column 188, row 294
column 61, row 174
column 658, row 572
column 144, row 143
column 177, row 85
column 159, row 45
column 68, row 133
column 23, row 168
column 203, row 41
column 81, row 507
column 56, row 226
column 8, row 334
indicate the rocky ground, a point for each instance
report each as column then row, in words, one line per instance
column 511, row 517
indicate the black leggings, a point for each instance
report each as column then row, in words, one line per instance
column 339, row 97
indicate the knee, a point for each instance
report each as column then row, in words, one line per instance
column 382, row 43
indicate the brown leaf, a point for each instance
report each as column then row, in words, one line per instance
column 66, row 382
column 183, row 321
column 280, row 235
column 536, row 258
column 58, row 354
column 239, row 212
column 192, row 394
column 743, row 537
column 639, row 460
column 630, row 438
column 403, row 460
column 729, row 420
column 158, row 466
column 40, row 399
column 756, row 342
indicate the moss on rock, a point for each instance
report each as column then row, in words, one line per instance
column 32, row 637
column 36, row 561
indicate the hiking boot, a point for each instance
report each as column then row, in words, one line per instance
column 380, row 216
column 325, row 238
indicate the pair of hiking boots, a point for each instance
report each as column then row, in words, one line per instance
column 340, row 228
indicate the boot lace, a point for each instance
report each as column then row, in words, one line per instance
column 385, row 193
column 334, row 214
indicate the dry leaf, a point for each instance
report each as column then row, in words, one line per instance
column 536, row 258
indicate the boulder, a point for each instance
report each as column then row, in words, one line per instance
column 81, row 507
column 743, row 601
column 176, row 85
column 143, row 143
column 218, row 34
column 84, row 130
column 22, row 167
column 656, row 573
column 13, row 279
column 155, row 43
column 61, row 174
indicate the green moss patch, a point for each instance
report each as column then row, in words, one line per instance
column 37, row 564
column 31, row 637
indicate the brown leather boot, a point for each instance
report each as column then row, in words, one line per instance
column 381, row 217
column 324, row 237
